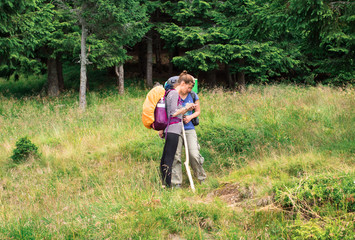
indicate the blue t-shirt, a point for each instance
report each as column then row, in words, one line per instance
column 189, row 99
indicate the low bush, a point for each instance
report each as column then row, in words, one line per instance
column 228, row 139
column 319, row 195
column 24, row 150
column 340, row 228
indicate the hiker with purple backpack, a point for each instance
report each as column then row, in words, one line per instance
column 175, row 111
column 190, row 120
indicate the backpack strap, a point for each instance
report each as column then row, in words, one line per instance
column 193, row 95
column 195, row 121
column 171, row 120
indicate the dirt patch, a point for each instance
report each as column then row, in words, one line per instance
column 265, row 201
column 175, row 237
column 233, row 193
column 206, row 236
column 239, row 197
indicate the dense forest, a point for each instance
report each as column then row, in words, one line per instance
column 276, row 84
column 226, row 43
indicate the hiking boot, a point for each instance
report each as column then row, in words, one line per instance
column 176, row 186
column 202, row 182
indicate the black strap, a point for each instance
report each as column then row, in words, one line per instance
column 194, row 120
column 193, row 95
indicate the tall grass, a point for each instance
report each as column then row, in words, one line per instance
column 98, row 175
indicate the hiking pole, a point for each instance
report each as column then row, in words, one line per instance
column 187, row 162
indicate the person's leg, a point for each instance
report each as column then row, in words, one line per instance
column 176, row 177
column 167, row 159
column 196, row 159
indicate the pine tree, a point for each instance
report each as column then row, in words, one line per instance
column 109, row 26
column 22, row 25
column 237, row 34
column 327, row 39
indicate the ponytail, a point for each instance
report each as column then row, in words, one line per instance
column 186, row 78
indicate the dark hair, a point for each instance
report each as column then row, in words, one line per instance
column 186, row 78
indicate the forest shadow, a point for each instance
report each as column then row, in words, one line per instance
column 98, row 81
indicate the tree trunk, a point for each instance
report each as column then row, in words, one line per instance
column 211, row 78
column 241, row 77
column 83, row 62
column 229, row 77
column 60, row 74
column 171, row 66
column 142, row 59
column 53, row 87
column 241, row 82
column 158, row 54
column 149, row 60
column 120, row 78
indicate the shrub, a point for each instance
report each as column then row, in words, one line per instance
column 317, row 194
column 24, row 150
column 228, row 139
column 328, row 228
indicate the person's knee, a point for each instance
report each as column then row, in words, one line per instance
column 177, row 156
column 196, row 157
column 177, row 160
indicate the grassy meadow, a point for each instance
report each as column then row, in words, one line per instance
column 280, row 164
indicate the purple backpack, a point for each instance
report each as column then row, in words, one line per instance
column 161, row 119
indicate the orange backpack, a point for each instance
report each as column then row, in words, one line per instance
column 149, row 105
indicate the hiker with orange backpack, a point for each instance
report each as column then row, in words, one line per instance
column 172, row 132
column 190, row 120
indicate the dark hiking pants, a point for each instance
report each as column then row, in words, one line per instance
column 166, row 163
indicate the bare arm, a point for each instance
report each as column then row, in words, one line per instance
column 197, row 112
column 185, row 109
